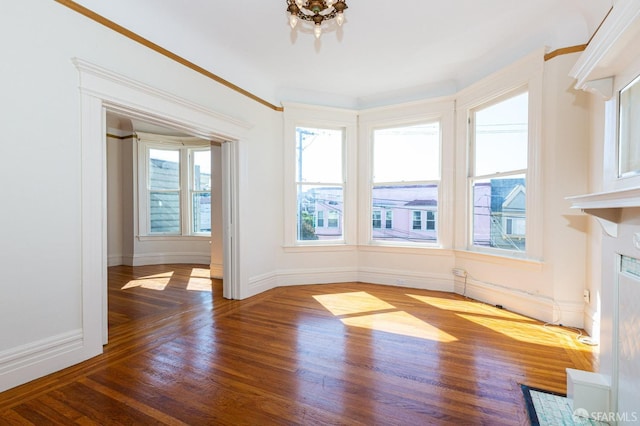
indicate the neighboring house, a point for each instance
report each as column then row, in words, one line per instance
column 499, row 214
column 410, row 213
column 165, row 198
column 405, row 213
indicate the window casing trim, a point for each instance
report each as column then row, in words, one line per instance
column 186, row 146
column 526, row 74
column 441, row 111
column 298, row 115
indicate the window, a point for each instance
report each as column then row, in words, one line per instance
column 319, row 219
column 498, row 173
column 175, row 190
column 200, row 188
column 417, row 220
column 377, row 219
column 319, row 181
column 333, row 220
column 406, row 177
column 164, row 191
column 431, row 221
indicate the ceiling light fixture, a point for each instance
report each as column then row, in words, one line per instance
column 316, row 11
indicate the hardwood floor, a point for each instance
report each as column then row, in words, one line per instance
column 323, row 354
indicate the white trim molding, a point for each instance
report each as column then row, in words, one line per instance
column 403, row 278
column 531, row 305
column 102, row 90
column 28, row 362
column 612, row 47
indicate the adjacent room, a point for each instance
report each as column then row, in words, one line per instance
column 311, row 212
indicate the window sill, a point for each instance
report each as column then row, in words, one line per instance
column 174, row 238
column 432, row 250
column 302, row 248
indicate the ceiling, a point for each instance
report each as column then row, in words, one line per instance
column 387, row 52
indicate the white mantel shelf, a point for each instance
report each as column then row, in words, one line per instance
column 607, row 206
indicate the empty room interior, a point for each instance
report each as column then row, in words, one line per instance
column 317, row 212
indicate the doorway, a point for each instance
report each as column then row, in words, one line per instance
column 103, row 91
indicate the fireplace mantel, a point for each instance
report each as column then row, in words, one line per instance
column 607, row 207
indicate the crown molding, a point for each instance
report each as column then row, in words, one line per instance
column 161, row 50
column 612, row 47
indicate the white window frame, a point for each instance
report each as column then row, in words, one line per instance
column 474, row 177
column 415, row 113
column 299, row 115
column 186, row 146
column 525, row 75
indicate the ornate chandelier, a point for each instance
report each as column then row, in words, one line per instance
column 316, row 11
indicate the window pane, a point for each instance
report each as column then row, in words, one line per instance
column 319, row 155
column 407, row 154
column 377, row 219
column 499, row 216
column 202, row 170
column 501, row 134
column 629, row 129
column 201, row 211
column 164, row 169
column 165, row 212
column 322, row 202
column 408, row 205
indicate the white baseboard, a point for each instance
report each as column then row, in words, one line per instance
column 535, row 306
column 115, row 260
column 436, row 282
column 216, row 271
column 159, row 259
column 162, row 258
column 316, row 276
column 592, row 322
column 284, row 278
column 31, row 361
column 261, row 283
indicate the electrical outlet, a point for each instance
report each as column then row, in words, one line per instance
column 586, row 295
column 459, row 272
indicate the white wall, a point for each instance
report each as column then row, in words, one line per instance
column 593, row 309
column 565, row 172
column 41, row 252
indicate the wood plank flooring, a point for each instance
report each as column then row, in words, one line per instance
column 351, row 353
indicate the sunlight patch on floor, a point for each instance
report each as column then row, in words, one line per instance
column 199, row 284
column 522, row 331
column 356, row 309
column 400, row 322
column 151, row 282
column 200, row 273
column 352, row 303
column 468, row 306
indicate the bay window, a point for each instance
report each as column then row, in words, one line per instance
column 405, row 183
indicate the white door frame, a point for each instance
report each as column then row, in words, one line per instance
column 103, row 90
